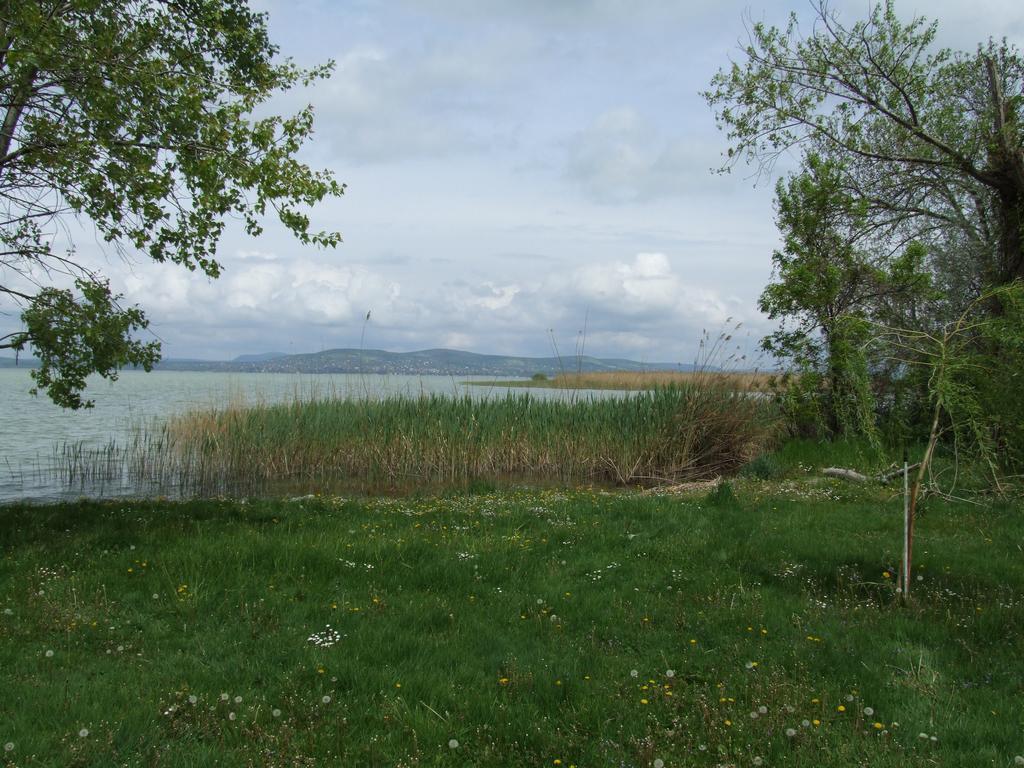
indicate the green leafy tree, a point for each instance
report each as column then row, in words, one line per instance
column 929, row 141
column 823, row 286
column 137, row 116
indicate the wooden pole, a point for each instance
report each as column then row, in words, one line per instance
column 905, row 576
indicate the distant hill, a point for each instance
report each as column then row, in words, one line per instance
column 259, row 358
column 427, row 362
column 22, row 362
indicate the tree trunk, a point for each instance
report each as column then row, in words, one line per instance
column 1011, row 241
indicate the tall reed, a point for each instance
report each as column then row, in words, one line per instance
column 675, row 433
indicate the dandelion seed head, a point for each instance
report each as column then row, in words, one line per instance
column 326, row 699
column 869, row 711
column 83, row 733
column 1018, row 760
column 763, row 710
column 9, row 746
column 670, row 673
column 659, row 763
column 49, row 653
column 633, row 673
column 791, row 732
column 275, row 712
column 193, row 699
column 238, row 699
column 232, row 715
column 224, row 697
column 453, row 743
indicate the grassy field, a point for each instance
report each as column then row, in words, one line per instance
column 756, row 626
column 639, row 380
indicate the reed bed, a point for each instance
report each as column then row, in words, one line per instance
column 633, row 381
column 638, row 380
column 670, row 434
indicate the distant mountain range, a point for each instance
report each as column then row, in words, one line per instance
column 427, row 362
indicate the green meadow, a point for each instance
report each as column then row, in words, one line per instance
column 756, row 625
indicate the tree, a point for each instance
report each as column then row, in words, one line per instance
column 821, row 280
column 929, row 142
column 824, row 285
column 136, row 116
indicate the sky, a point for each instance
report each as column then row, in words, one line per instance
column 524, row 177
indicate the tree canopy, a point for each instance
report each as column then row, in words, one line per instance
column 136, row 116
column 904, row 218
column 930, row 141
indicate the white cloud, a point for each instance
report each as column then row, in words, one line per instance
column 620, row 157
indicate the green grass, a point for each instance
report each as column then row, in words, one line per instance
column 530, row 626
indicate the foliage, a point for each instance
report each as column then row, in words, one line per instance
column 823, row 286
column 77, row 337
column 908, row 207
column 929, row 143
column 136, row 117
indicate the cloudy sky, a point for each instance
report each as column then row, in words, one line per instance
column 517, row 170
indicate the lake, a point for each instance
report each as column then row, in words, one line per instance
column 34, row 430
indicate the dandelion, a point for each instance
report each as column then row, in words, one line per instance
column 9, row 746
column 1018, row 760
column 644, row 702
column 840, row 708
column 791, row 732
column 805, row 723
column 238, row 699
column 868, row 711
column 816, row 722
column 659, row 763
column 922, row 735
column 878, row 726
column 758, row 760
column 326, row 699
column 224, row 697
column 670, row 673
column 275, row 712
column 633, row 673
column 49, row 653
column 754, row 715
column 750, row 664
column 8, row 612
column 232, row 715
column 762, row 710
column 193, row 699
column 453, row 743
column 83, row 733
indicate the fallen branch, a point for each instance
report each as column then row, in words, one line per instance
column 857, row 477
column 845, row 474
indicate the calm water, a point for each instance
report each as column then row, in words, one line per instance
column 33, row 429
